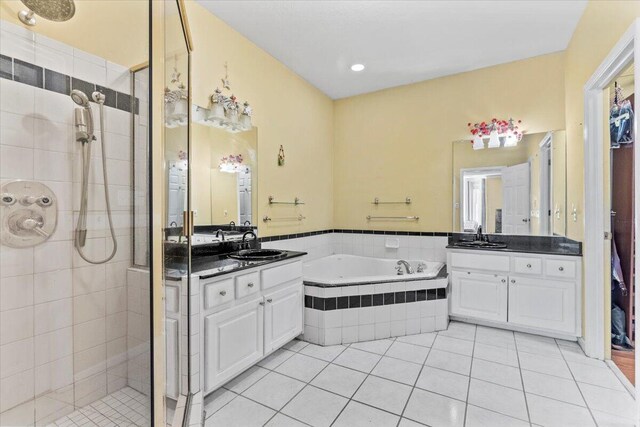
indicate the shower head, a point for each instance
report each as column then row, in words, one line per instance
column 80, row 98
column 53, row 10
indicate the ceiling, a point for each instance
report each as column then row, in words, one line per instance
column 399, row 42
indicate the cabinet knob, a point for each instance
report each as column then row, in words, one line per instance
column 223, row 293
column 513, row 280
column 561, row 268
column 528, row 265
column 261, row 303
column 269, row 300
column 504, row 280
column 250, row 284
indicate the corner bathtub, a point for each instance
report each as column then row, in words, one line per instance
column 352, row 298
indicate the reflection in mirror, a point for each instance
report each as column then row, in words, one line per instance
column 224, row 172
column 511, row 190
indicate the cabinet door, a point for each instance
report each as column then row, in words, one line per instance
column 233, row 341
column 542, row 303
column 173, row 358
column 283, row 316
column 483, row 296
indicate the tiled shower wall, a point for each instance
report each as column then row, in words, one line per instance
column 63, row 322
column 429, row 248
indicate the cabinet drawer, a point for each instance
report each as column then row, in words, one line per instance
column 218, row 293
column 480, row 261
column 527, row 265
column 560, row 268
column 278, row 275
column 247, row 284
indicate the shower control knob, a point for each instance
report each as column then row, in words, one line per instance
column 44, row 201
column 8, row 199
column 28, row 200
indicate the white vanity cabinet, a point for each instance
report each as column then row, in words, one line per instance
column 246, row 316
column 521, row 291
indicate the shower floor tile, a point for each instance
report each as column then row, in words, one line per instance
column 125, row 407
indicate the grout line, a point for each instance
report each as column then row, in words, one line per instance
column 524, row 392
column 365, row 379
column 576, row 383
column 466, row 403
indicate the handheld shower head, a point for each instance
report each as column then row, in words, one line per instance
column 80, row 98
column 53, row 10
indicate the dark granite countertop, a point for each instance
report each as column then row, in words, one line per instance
column 217, row 265
column 546, row 245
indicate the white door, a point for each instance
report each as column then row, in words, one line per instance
column 483, row 296
column 542, row 303
column 516, row 196
column 244, row 196
column 283, row 316
column 177, row 192
column 233, row 341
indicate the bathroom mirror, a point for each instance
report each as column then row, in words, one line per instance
column 224, row 176
column 511, row 190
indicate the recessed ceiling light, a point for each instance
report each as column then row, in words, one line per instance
column 357, row 67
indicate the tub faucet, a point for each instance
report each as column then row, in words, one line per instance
column 421, row 267
column 407, row 266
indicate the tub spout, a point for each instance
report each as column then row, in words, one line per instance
column 406, row 265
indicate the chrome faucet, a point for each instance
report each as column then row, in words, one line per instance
column 220, row 233
column 248, row 233
column 479, row 235
column 406, row 265
column 421, row 267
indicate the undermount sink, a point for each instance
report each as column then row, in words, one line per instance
column 480, row 244
column 258, row 254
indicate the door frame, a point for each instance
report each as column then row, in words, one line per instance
column 596, row 223
column 545, row 148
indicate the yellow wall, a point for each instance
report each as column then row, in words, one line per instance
column 287, row 111
column 397, row 142
column 114, row 30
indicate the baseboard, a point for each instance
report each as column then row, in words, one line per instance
column 515, row 328
column 623, row 379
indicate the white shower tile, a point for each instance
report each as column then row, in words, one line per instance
column 16, row 97
column 52, row 286
column 52, row 166
column 16, row 325
column 16, row 292
column 53, row 136
column 89, row 334
column 50, row 43
column 15, row 262
column 15, row 45
column 16, row 389
column 53, row 59
column 89, row 71
column 16, row 357
column 51, row 256
column 16, row 162
column 53, row 345
column 53, row 315
column 17, row 130
column 53, row 106
column 89, row 307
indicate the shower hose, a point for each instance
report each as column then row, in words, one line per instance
column 81, row 228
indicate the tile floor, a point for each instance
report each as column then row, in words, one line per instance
column 464, row 376
column 123, row 408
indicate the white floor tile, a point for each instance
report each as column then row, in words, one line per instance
column 454, row 345
column 281, row 420
column 444, row 382
column 314, row 406
column 384, row 394
column 340, row 380
column 465, row 331
column 434, row 410
column 240, row 412
column 552, row 413
column 405, row 422
column 492, row 353
column 217, row 400
column 575, row 355
column 480, row 417
column 408, row 352
column 614, row 402
column 357, row 359
column 449, row 361
column 495, row 337
column 497, row 373
column 275, row 359
column 246, row 379
column 326, row 353
column 295, row 345
column 552, row 387
column 544, row 365
column 397, row 370
column 378, row 346
column 274, row 390
column 600, row 376
column 358, row 415
column 301, row 367
column 608, row 420
column 425, row 340
column 504, row 400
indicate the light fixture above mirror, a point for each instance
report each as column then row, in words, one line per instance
column 226, row 112
column 500, row 133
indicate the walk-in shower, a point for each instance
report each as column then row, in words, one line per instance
column 84, row 125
